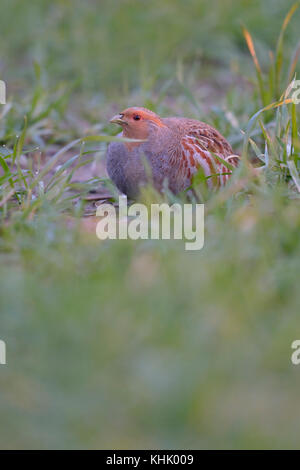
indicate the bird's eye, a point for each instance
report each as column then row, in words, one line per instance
column 136, row 117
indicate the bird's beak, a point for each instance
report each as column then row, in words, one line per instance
column 117, row 119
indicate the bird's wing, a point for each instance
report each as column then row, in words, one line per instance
column 199, row 147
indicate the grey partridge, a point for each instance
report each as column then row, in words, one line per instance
column 174, row 149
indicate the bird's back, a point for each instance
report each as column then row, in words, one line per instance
column 212, row 139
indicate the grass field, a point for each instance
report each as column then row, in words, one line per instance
column 141, row 344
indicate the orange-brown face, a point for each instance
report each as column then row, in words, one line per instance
column 135, row 122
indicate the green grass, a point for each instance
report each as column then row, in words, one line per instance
column 123, row 344
column 107, row 48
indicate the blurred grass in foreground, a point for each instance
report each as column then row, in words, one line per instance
column 126, row 344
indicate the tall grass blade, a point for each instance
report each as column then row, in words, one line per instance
column 279, row 48
column 259, row 74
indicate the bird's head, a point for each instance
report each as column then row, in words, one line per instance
column 137, row 122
